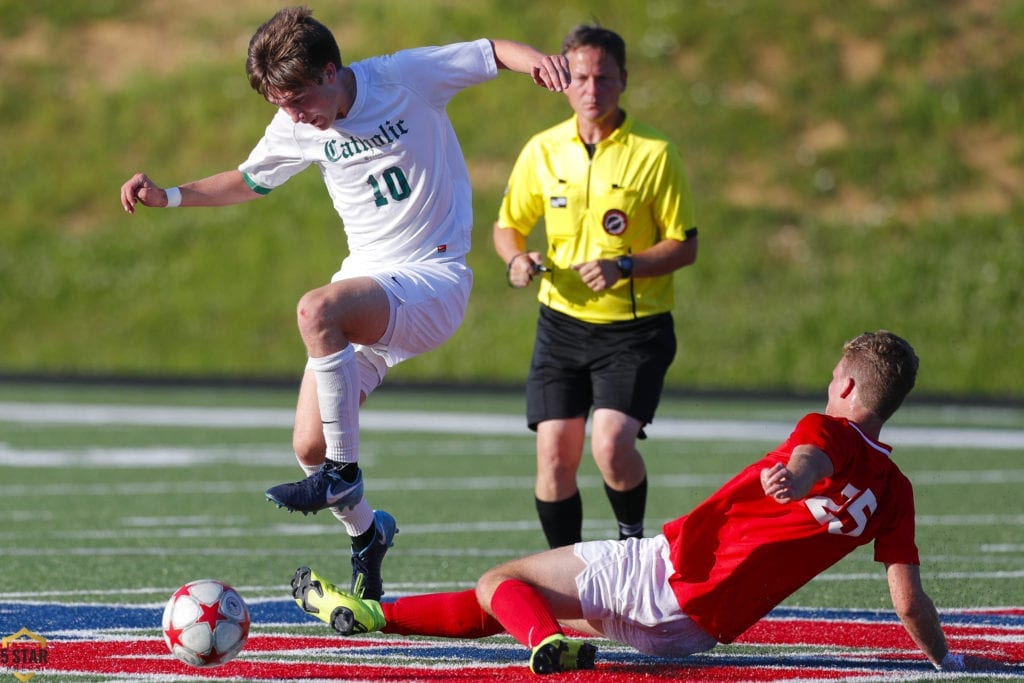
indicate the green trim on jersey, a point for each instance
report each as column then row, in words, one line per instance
column 632, row 194
column 254, row 186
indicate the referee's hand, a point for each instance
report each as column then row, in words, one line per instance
column 522, row 267
column 599, row 275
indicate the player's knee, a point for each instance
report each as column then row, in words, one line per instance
column 621, row 468
column 554, row 468
column 311, row 312
column 608, row 445
column 485, row 587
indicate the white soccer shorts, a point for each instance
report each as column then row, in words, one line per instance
column 625, row 588
column 428, row 302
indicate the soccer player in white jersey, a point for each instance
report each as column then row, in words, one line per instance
column 378, row 132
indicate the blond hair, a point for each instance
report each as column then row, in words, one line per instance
column 884, row 366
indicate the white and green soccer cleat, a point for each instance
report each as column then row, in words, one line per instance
column 345, row 612
column 557, row 653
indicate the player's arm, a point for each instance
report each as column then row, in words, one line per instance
column 916, row 610
column 520, row 265
column 921, row 620
column 550, row 71
column 806, row 467
column 919, row 617
column 222, row 189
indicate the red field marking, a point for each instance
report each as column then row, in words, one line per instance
column 139, row 659
column 858, row 649
column 998, row 642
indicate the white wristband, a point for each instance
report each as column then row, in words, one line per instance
column 951, row 662
column 173, row 197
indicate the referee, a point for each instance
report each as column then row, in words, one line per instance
column 618, row 218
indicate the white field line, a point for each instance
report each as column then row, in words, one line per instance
column 53, row 540
column 921, row 479
column 271, row 593
column 215, row 530
column 471, row 423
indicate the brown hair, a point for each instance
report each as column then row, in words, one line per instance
column 884, row 366
column 586, row 35
column 288, row 53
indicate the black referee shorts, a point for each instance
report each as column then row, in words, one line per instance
column 577, row 366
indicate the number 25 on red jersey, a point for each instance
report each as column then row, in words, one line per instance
column 848, row 518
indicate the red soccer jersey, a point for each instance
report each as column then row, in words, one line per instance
column 740, row 553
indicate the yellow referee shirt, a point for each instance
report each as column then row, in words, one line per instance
column 633, row 193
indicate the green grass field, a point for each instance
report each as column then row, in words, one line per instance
column 135, row 505
column 114, row 496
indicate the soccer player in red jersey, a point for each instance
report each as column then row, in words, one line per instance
column 711, row 574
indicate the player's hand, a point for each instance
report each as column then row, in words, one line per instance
column 599, row 275
column 777, row 482
column 140, row 189
column 553, row 73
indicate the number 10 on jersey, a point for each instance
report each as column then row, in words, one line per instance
column 395, row 181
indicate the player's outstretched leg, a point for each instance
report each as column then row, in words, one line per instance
column 366, row 562
column 344, row 612
column 558, row 653
column 323, row 489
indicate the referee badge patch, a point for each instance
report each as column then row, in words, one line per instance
column 615, row 222
column 559, row 202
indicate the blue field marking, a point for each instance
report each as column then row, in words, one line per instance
column 83, row 621
column 50, row 618
column 71, row 620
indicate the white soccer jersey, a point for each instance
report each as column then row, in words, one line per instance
column 393, row 166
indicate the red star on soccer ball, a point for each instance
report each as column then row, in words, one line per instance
column 184, row 590
column 210, row 615
column 174, row 637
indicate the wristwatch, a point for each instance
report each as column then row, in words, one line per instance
column 625, row 264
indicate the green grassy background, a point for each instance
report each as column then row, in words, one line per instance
column 855, row 166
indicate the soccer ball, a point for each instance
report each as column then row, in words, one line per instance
column 206, row 623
